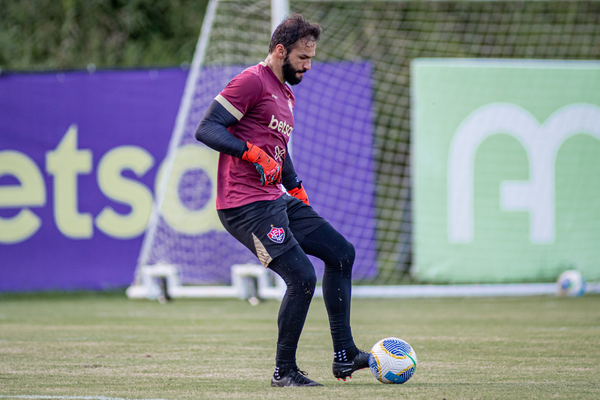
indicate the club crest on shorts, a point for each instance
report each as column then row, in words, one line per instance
column 276, row 235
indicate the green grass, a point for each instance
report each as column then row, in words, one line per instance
column 107, row 345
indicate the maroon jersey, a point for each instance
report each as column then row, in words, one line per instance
column 264, row 108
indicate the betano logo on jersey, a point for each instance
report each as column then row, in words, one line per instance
column 280, row 126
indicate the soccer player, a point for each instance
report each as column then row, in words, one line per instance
column 250, row 123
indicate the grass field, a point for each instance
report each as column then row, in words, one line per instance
column 104, row 345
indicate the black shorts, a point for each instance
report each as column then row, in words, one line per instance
column 270, row 228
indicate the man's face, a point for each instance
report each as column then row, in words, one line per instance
column 297, row 61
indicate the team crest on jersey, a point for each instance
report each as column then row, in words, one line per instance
column 291, row 106
column 276, row 235
column 279, row 154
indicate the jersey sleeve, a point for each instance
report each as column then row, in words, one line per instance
column 289, row 178
column 241, row 94
column 212, row 131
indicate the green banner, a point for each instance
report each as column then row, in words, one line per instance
column 506, row 169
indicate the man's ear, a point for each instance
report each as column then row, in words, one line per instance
column 280, row 51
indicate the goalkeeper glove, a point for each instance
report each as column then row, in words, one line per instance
column 268, row 169
column 300, row 194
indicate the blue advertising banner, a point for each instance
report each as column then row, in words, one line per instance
column 80, row 154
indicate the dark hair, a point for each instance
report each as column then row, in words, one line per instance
column 293, row 29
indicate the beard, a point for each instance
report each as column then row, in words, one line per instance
column 289, row 73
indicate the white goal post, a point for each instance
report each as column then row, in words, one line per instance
column 268, row 285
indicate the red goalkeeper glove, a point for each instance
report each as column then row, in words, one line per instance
column 300, row 194
column 268, row 169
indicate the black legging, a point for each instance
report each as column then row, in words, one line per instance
column 299, row 275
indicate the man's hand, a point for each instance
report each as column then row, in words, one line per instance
column 268, row 169
column 300, row 194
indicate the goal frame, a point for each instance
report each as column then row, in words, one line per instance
column 243, row 276
column 254, row 279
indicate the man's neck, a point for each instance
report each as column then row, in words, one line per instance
column 275, row 64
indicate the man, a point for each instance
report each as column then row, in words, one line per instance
column 250, row 123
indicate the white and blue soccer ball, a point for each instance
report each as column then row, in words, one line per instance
column 570, row 283
column 392, row 360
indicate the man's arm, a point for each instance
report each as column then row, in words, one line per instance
column 212, row 131
column 291, row 182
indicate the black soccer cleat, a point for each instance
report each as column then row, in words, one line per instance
column 343, row 370
column 293, row 378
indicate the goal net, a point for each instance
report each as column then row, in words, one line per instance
column 352, row 141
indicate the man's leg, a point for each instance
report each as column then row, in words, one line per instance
column 299, row 275
column 263, row 228
column 338, row 255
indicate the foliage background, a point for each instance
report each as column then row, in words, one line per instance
column 72, row 34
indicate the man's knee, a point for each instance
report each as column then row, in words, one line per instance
column 297, row 272
column 349, row 253
column 302, row 283
column 344, row 252
column 309, row 283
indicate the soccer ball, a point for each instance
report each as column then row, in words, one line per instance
column 570, row 283
column 392, row 360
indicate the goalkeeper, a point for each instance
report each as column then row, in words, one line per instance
column 250, row 123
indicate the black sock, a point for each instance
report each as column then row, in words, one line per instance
column 345, row 355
